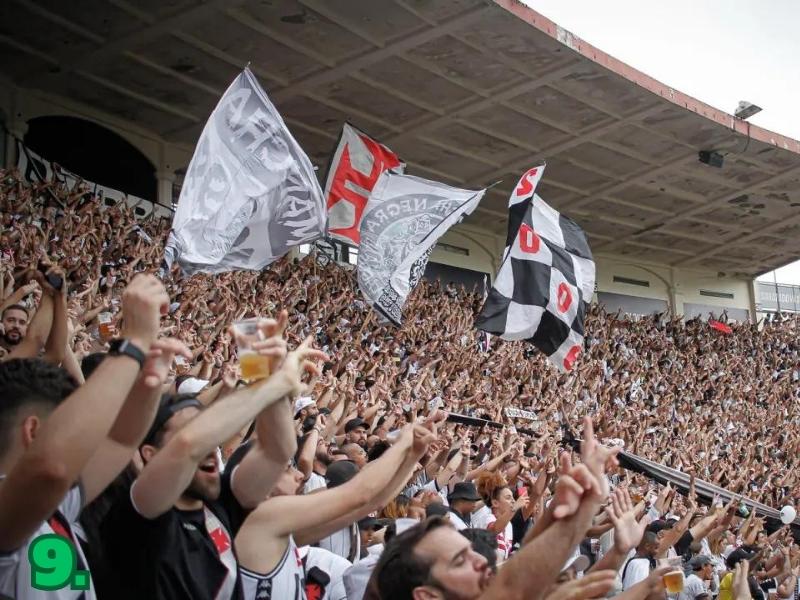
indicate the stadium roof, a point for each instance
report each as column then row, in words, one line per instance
column 467, row 91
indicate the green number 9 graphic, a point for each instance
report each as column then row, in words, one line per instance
column 54, row 564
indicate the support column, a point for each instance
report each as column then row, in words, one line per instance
column 675, row 295
column 753, row 295
column 165, row 180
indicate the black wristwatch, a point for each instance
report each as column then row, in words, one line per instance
column 126, row 348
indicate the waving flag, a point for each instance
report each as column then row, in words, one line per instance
column 719, row 326
column 354, row 170
column 546, row 280
column 250, row 192
column 403, row 219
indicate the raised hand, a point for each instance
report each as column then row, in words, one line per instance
column 298, row 363
column 622, row 513
column 741, row 587
column 274, row 344
column 159, row 361
column 143, row 303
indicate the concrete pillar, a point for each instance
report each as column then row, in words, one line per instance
column 751, row 289
column 675, row 295
column 165, row 180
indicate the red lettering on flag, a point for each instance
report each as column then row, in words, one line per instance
column 382, row 160
column 572, row 356
column 528, row 240
column 221, row 540
column 525, row 186
column 564, row 297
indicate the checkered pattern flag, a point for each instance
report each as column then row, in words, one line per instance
column 546, row 280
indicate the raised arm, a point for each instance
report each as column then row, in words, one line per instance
column 170, row 470
column 73, row 432
column 134, row 419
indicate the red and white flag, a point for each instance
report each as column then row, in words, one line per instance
column 719, row 326
column 356, row 165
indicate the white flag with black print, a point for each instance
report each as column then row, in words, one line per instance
column 404, row 217
column 546, row 280
column 250, row 193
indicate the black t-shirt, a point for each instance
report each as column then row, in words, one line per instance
column 174, row 556
column 682, row 545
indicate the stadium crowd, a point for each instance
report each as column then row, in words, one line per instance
column 341, row 475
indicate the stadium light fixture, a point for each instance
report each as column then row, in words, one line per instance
column 746, row 109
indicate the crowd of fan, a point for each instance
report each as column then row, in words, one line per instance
column 178, row 480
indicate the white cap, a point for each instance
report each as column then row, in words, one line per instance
column 301, row 403
column 192, row 385
column 579, row 562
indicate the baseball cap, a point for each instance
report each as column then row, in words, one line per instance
column 192, row 385
column 355, row 424
column 737, row 556
column 340, row 472
column 698, row 562
column 369, row 523
column 169, row 405
column 301, row 403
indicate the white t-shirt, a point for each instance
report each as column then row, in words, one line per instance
column 315, row 482
column 330, row 563
column 340, row 542
column 693, row 588
column 15, row 569
column 636, row 570
column 505, row 539
column 480, row 518
column 357, row 577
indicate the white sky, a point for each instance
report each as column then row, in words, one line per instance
column 719, row 51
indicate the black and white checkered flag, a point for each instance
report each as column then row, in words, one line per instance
column 546, row 280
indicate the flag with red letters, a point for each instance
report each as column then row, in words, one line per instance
column 546, row 280
column 355, row 167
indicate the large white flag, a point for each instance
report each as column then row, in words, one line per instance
column 404, row 217
column 250, row 192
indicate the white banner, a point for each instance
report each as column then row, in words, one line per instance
column 250, row 193
column 403, row 219
column 518, row 413
column 34, row 168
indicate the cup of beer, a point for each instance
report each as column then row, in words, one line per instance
column 673, row 581
column 252, row 364
column 105, row 327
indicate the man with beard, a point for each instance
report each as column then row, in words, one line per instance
column 432, row 561
column 174, row 532
column 15, row 325
column 47, row 329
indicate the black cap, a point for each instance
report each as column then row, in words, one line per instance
column 737, row 556
column 368, row 523
column 170, row 404
column 340, row 472
column 355, row 424
column 464, row 490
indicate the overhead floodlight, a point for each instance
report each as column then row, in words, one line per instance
column 746, row 110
